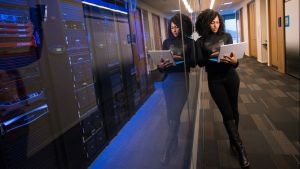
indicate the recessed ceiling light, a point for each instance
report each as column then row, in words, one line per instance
column 187, row 6
column 175, row 10
column 212, row 2
column 227, row 3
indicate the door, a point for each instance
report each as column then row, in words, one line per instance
column 291, row 42
column 276, row 34
column 166, row 27
column 252, row 29
column 157, row 32
column 146, row 31
column 273, row 34
column 241, row 25
column 141, row 51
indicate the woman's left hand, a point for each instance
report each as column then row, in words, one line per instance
column 231, row 59
column 177, row 57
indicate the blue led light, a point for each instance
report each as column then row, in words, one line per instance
column 105, row 5
column 8, row 122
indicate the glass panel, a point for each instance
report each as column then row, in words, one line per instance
column 79, row 87
column 231, row 26
column 178, row 89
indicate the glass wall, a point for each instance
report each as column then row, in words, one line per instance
column 231, row 26
column 80, row 86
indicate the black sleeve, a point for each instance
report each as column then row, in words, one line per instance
column 201, row 58
column 165, row 45
column 236, row 65
column 192, row 54
column 229, row 39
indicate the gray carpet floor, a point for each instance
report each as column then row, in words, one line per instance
column 269, row 121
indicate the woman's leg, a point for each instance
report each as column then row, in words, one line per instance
column 220, row 96
column 174, row 89
column 237, row 143
column 232, row 86
column 224, row 96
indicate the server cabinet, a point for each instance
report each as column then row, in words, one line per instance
column 88, row 112
column 111, row 43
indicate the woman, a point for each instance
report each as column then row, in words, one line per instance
column 175, row 85
column 223, row 80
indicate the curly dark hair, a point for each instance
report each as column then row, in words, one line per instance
column 203, row 22
column 186, row 24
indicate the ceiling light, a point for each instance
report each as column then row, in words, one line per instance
column 212, row 2
column 187, row 6
column 104, row 7
column 227, row 3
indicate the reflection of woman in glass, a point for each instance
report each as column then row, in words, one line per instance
column 175, row 85
column 223, row 80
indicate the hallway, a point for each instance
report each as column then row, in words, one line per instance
column 269, row 126
column 269, row 121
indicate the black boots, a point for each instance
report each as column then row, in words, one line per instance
column 232, row 147
column 171, row 141
column 236, row 142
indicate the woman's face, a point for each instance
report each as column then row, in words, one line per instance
column 175, row 29
column 215, row 24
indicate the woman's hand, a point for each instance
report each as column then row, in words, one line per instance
column 215, row 54
column 177, row 57
column 164, row 63
column 231, row 59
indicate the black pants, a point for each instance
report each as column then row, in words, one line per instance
column 175, row 92
column 224, row 89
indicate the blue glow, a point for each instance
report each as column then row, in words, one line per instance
column 215, row 59
column 132, row 5
column 179, row 62
column 132, row 126
column 8, row 122
column 30, row 96
column 105, row 5
column 37, row 38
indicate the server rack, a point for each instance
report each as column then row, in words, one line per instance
column 89, row 112
column 111, row 43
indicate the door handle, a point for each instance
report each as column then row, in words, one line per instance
column 279, row 22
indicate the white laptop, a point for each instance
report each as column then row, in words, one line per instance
column 238, row 49
column 157, row 55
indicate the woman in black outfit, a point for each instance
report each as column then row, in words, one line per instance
column 223, row 80
column 175, row 86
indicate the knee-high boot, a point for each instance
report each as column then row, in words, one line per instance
column 171, row 141
column 237, row 142
column 236, row 117
column 232, row 147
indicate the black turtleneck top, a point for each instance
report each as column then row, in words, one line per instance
column 210, row 44
column 175, row 45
